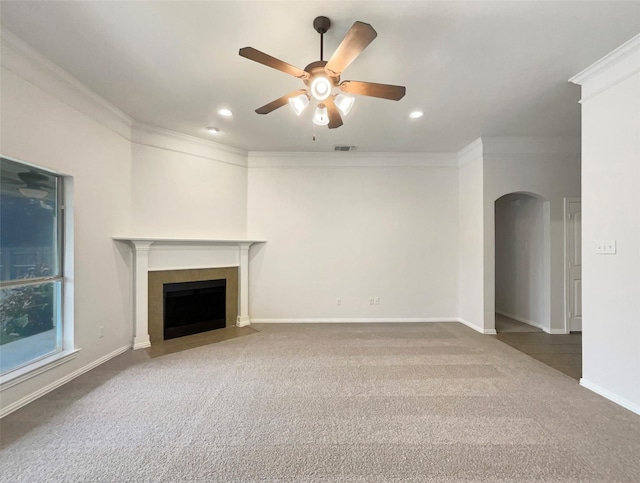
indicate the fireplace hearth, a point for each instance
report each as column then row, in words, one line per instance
column 193, row 307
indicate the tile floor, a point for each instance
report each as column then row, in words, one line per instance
column 560, row 351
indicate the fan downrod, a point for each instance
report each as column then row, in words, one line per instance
column 321, row 24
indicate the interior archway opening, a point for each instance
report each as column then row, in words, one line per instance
column 521, row 304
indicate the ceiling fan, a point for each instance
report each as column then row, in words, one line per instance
column 32, row 184
column 322, row 78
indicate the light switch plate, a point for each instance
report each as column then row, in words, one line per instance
column 606, row 247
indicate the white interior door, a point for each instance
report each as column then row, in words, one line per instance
column 573, row 260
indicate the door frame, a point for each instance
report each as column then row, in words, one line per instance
column 567, row 281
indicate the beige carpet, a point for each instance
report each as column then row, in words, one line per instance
column 361, row 402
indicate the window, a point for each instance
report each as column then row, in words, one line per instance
column 31, row 278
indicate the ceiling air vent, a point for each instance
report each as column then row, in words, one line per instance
column 343, row 147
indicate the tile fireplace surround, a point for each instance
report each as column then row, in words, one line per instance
column 164, row 254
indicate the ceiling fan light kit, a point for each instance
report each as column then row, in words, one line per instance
column 36, row 193
column 299, row 103
column 322, row 78
column 320, row 88
column 344, row 103
column 321, row 117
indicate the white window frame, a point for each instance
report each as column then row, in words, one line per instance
column 68, row 351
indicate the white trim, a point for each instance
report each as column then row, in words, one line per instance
column 352, row 159
column 31, row 66
column 56, row 384
column 14, row 378
column 482, row 330
column 610, row 70
column 526, row 321
column 625, row 403
column 27, row 63
column 556, row 332
column 141, row 345
column 166, row 240
column 354, row 320
column 470, row 153
column 567, row 288
column 610, row 60
column 159, row 138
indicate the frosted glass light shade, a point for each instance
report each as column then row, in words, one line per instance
column 33, row 192
column 344, row 103
column 299, row 103
column 320, row 88
column 321, row 117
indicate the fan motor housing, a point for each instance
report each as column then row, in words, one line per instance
column 317, row 68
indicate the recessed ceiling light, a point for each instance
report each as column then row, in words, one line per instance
column 225, row 112
column 416, row 114
column 212, row 130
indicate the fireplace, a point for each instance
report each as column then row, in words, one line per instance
column 191, row 295
column 160, row 260
column 193, row 307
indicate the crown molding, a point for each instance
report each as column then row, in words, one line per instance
column 350, row 159
column 471, row 152
column 25, row 62
column 155, row 137
column 610, row 70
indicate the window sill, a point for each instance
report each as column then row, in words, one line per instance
column 20, row 375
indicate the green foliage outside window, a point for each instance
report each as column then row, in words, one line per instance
column 26, row 311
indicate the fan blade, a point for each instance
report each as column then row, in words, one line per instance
column 264, row 59
column 359, row 36
column 273, row 105
column 334, row 115
column 371, row 89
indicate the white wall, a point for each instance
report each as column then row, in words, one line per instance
column 611, row 211
column 471, row 243
column 179, row 194
column 39, row 129
column 520, row 263
column 550, row 169
column 353, row 232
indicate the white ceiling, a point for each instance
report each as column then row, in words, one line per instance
column 475, row 68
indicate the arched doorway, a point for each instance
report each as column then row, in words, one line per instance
column 522, row 301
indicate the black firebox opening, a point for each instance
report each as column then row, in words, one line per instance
column 193, row 307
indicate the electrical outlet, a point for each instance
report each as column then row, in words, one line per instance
column 376, row 301
column 101, row 332
column 371, row 301
column 339, row 301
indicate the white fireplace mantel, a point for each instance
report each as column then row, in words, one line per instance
column 156, row 253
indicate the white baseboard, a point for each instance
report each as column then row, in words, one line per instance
column 610, row 396
column 373, row 321
column 56, row 384
column 528, row 322
column 141, row 345
column 354, row 320
column 482, row 330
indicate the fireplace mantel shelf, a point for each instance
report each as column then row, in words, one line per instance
column 207, row 241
